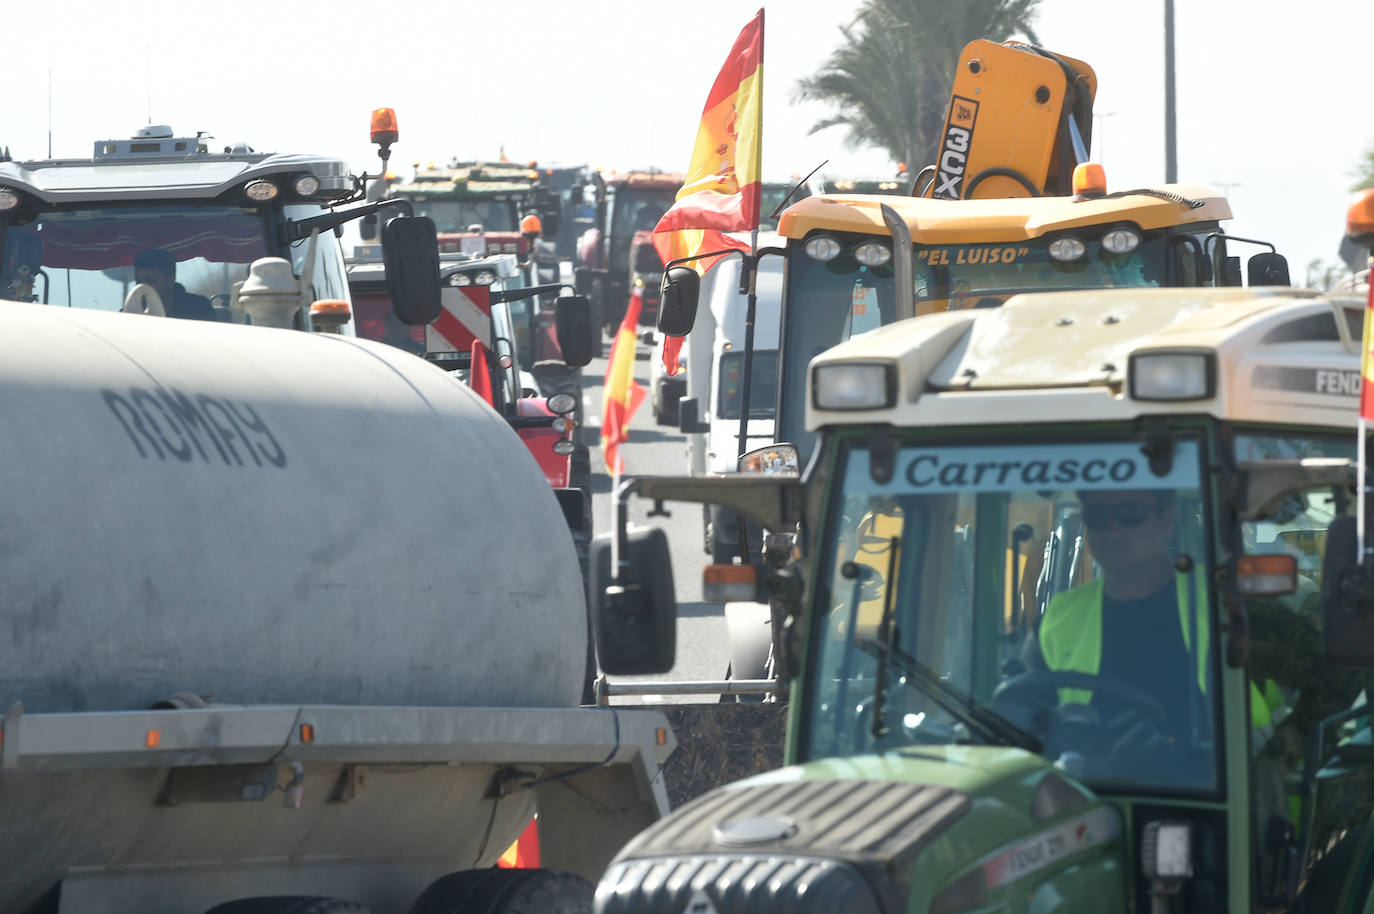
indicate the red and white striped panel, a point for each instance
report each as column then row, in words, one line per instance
column 465, row 316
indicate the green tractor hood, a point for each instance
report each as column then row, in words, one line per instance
column 941, row 830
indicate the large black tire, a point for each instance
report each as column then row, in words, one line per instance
column 500, row 891
column 289, row 904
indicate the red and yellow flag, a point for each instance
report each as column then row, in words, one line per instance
column 479, row 375
column 1367, row 359
column 722, row 192
column 524, row 853
column 622, row 394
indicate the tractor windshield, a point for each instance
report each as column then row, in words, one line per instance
column 1053, row 597
column 493, row 214
column 92, row 258
column 827, row 302
column 639, row 209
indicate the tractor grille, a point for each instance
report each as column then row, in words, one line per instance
column 734, row 885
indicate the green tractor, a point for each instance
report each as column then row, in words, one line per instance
column 1075, row 614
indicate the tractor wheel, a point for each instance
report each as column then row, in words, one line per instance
column 503, row 891
column 289, row 904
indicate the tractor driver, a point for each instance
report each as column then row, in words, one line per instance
column 1144, row 623
column 158, row 268
column 1132, row 624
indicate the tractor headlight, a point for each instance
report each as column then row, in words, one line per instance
column 1166, row 850
column 460, row 279
column 854, row 385
column 562, row 403
column 1178, row 374
column 873, row 253
column 8, row 199
column 774, row 460
column 1121, row 241
column 261, row 190
column 822, row 248
column 1067, row 249
column 484, row 277
column 307, row 185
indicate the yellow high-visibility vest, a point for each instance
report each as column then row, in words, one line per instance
column 1071, row 640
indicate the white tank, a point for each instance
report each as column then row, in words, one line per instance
column 265, row 516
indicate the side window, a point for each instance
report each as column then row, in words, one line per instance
column 1293, row 689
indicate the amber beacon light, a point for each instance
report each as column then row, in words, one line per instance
column 384, row 131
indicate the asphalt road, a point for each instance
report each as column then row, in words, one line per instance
column 661, row 451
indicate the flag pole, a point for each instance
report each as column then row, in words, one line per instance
column 1359, row 487
column 749, row 273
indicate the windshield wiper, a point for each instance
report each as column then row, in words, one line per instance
column 990, row 725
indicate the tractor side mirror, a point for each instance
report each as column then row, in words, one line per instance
column 410, row 253
column 677, row 306
column 635, row 618
column 1347, row 599
column 572, row 324
column 1267, row 269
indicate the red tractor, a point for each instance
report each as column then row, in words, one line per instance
column 615, row 249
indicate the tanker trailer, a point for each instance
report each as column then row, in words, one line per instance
column 288, row 615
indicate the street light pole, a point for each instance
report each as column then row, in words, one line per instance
column 1100, row 146
column 1170, row 139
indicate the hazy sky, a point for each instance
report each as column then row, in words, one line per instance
column 1278, row 106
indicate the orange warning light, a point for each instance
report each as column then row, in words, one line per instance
column 1089, row 179
column 384, row 130
column 1359, row 218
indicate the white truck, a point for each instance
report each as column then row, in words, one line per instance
column 276, row 641
column 715, row 366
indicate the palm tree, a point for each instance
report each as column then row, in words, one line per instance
column 890, row 79
column 1364, row 172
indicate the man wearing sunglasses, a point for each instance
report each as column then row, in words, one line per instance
column 1134, row 625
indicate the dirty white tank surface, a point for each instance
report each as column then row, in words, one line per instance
column 266, row 516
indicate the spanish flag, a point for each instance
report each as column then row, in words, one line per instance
column 524, row 853
column 622, row 394
column 722, row 192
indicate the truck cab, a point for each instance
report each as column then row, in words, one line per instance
column 71, row 230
